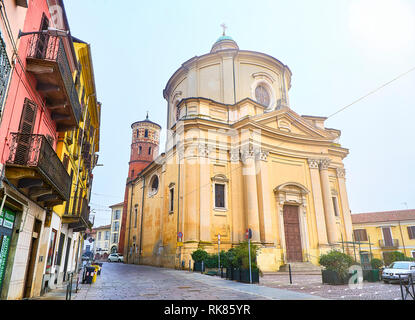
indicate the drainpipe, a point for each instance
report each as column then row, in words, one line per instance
column 129, row 227
column 403, row 243
column 141, row 219
column 178, row 208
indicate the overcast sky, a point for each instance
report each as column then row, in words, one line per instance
column 337, row 50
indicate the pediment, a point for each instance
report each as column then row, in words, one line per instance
column 288, row 122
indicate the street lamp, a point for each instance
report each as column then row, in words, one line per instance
column 50, row 31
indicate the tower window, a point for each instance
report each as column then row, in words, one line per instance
column 137, row 133
column 146, row 133
column 140, row 148
column 149, row 150
column 262, row 95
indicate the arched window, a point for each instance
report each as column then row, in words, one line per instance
column 154, row 185
column 146, row 133
column 177, row 111
column 149, row 150
column 262, row 95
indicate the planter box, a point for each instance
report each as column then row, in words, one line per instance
column 332, row 277
column 236, row 274
column 371, row 275
column 245, row 276
column 197, row 266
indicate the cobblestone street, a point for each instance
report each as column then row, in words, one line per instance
column 120, row 281
column 312, row 284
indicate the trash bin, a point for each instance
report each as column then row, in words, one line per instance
column 96, row 268
column 89, row 274
column 100, row 267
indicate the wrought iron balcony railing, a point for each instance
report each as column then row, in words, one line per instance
column 392, row 243
column 43, row 49
column 33, row 151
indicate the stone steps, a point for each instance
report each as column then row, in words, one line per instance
column 301, row 267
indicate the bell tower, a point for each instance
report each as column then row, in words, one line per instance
column 145, row 141
column 144, row 146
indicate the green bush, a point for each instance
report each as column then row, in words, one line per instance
column 241, row 256
column 376, row 263
column 199, row 255
column 211, row 261
column 396, row 256
column 337, row 261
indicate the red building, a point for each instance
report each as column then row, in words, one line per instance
column 41, row 102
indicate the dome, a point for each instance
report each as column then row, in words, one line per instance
column 224, row 42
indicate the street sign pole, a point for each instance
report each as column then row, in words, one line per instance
column 218, row 253
column 249, row 236
column 249, row 253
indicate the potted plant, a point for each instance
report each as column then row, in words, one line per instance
column 199, row 256
column 241, row 261
column 373, row 274
column 336, row 266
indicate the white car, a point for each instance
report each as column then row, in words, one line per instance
column 397, row 268
column 115, row 257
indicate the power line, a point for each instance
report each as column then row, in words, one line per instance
column 373, row 91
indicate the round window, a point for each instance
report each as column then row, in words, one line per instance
column 262, row 95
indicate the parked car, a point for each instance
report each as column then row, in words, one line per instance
column 115, row 257
column 403, row 268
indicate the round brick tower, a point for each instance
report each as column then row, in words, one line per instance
column 144, row 146
column 144, row 149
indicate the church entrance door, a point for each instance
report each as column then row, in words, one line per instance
column 292, row 234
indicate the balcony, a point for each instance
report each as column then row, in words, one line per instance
column 47, row 61
column 389, row 244
column 35, row 168
column 79, row 221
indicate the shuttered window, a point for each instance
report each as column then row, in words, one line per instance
column 411, row 232
column 360, row 235
column 4, row 71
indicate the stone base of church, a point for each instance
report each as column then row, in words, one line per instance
column 269, row 259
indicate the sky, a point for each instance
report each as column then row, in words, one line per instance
column 338, row 52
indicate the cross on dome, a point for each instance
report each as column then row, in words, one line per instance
column 224, row 27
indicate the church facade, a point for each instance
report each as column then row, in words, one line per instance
column 237, row 156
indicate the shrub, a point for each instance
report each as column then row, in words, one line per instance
column 376, row 263
column 211, row 261
column 241, row 256
column 337, row 261
column 199, row 255
column 396, row 256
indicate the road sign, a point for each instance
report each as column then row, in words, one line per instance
column 248, row 233
column 180, row 234
column 180, row 244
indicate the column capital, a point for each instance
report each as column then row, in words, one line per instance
column 341, row 172
column 324, row 163
column 313, row 163
column 203, row 150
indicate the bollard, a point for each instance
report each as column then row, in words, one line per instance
column 289, row 271
column 190, row 265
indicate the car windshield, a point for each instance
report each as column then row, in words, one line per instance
column 400, row 265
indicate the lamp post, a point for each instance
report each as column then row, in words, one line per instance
column 50, row 31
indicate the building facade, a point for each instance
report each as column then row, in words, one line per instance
column 386, row 232
column 116, row 219
column 237, row 157
column 102, row 242
column 42, row 108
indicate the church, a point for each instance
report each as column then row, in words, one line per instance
column 237, row 156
